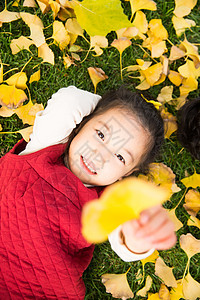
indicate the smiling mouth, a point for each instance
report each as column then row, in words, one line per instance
column 87, row 167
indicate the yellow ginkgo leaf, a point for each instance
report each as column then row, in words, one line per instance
column 165, row 94
column 37, row 35
column 1, row 127
column 174, row 219
column 46, row 54
column 164, row 293
column 140, row 22
column 192, row 202
column 73, row 27
column 18, row 79
column 157, row 29
column 121, row 44
column 176, row 53
column 128, row 33
column 153, row 296
column 60, row 35
column 175, row 77
column 165, row 273
column 19, row 44
column 35, row 77
column 11, row 96
column 158, row 49
column 193, row 221
column 97, row 42
column 44, row 5
column 170, row 126
column 189, row 69
column 6, row 112
column 146, row 288
column 191, row 288
column 189, row 244
column 55, row 6
column 188, row 85
column 180, row 24
column 29, row 3
column 30, row 19
column 153, row 73
column 117, row 285
column 27, row 112
column 8, row 16
column 96, row 75
column 192, row 181
column 142, row 4
column 177, row 293
column 26, row 132
column 119, row 203
column 191, row 51
column 152, row 258
column 184, row 7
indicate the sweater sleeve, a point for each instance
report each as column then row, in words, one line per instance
column 122, row 251
column 64, row 111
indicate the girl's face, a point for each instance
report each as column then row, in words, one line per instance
column 107, row 148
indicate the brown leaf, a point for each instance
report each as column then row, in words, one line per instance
column 142, row 292
column 11, row 96
column 165, row 94
column 189, row 244
column 117, row 285
column 165, row 273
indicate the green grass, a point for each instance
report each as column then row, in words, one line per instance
column 55, row 77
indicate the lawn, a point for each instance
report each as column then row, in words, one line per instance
column 55, row 76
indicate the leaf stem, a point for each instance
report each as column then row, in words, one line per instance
column 146, row 53
column 128, row 270
column 187, row 267
column 181, row 198
column 120, row 62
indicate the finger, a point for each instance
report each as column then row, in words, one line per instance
column 148, row 213
column 165, row 244
column 162, row 233
column 155, row 222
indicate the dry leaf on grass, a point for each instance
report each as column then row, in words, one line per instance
column 8, row 16
column 152, row 258
column 11, row 96
column 19, row 44
column 142, row 4
column 180, row 24
column 172, row 215
column 18, row 79
column 177, row 293
column 189, row 244
column 175, row 77
column 193, row 221
column 192, row 181
column 117, row 285
column 120, row 202
column 170, row 126
column 192, row 202
column 29, row 3
column 60, row 35
column 191, row 288
column 35, row 77
column 165, row 273
column 184, row 7
column 146, row 288
column 26, row 132
column 164, row 293
column 165, row 94
column 46, row 54
column 96, row 75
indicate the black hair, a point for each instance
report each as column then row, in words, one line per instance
column 134, row 105
column 188, row 132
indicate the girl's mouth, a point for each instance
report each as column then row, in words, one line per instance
column 87, row 166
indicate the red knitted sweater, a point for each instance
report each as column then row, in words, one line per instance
column 42, row 252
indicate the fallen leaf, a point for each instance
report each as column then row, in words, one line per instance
column 176, row 53
column 152, row 258
column 73, row 27
column 101, row 17
column 28, row 112
column 142, row 4
column 164, row 293
column 193, row 221
column 184, row 7
column 188, row 85
column 19, row 80
column 97, row 42
column 140, row 22
column 190, row 51
column 60, row 35
column 189, row 244
column 55, row 6
column 192, row 202
column 46, row 54
column 170, row 126
column 191, row 288
column 121, row 44
column 165, row 94
column 146, row 288
column 26, row 132
column 191, row 181
column 189, row 70
column 29, row 3
column 97, row 75
column 35, row 76
column 153, row 296
column 67, row 61
column 165, row 273
column 117, row 285
column 1, row 73
column 8, row 16
column 44, row 5
column 37, row 35
column 1, row 127
column 11, row 96
column 6, row 112
column 119, row 203
column 175, row 77
column 177, row 223
column 180, row 24
column 19, row 44
column 177, row 293
column 153, row 73
column 30, row 19
column 157, row 29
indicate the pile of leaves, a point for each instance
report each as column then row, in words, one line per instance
column 78, row 35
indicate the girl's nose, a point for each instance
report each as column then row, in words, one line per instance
column 104, row 153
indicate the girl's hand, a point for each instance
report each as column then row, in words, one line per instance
column 153, row 229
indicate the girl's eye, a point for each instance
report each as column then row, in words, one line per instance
column 120, row 158
column 100, row 134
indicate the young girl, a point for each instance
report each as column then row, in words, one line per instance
column 42, row 252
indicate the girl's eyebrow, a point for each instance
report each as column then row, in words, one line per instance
column 107, row 127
